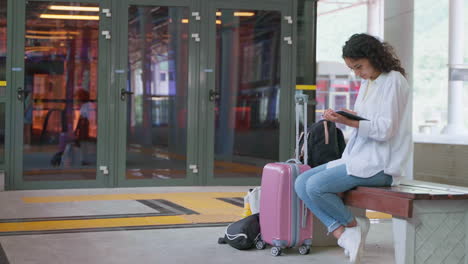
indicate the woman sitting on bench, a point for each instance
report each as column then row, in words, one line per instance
column 378, row 149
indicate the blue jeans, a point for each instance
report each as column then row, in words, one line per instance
column 318, row 188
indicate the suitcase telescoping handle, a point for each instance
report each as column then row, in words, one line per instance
column 301, row 106
column 304, row 215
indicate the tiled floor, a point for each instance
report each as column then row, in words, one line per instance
column 149, row 245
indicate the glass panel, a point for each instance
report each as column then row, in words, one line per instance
column 158, row 78
column 3, row 45
column 60, row 99
column 248, row 82
column 2, row 133
column 337, row 86
column 430, row 71
column 3, row 50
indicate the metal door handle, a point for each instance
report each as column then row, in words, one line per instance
column 213, row 95
column 21, row 93
column 124, row 93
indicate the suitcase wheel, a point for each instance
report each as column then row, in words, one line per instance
column 275, row 251
column 260, row 244
column 304, row 250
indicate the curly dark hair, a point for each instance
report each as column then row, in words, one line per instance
column 380, row 54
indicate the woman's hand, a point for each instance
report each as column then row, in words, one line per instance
column 349, row 111
column 330, row 115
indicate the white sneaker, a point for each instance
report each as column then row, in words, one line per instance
column 350, row 240
column 364, row 224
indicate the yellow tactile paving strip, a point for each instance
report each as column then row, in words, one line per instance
column 186, row 197
column 210, row 209
column 92, row 223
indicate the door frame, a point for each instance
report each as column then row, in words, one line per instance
column 14, row 136
column 121, row 57
column 287, row 84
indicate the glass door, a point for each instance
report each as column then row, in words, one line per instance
column 59, row 91
column 247, row 90
column 148, row 92
column 155, row 103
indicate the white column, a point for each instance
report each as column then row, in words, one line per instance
column 375, row 18
column 455, row 89
column 398, row 32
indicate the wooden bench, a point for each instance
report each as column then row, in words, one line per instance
column 430, row 221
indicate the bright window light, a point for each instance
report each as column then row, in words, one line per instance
column 47, row 37
column 42, row 32
column 75, row 8
column 71, row 17
column 247, row 14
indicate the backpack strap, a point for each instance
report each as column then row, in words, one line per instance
column 327, row 136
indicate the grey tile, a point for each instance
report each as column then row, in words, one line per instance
column 175, row 246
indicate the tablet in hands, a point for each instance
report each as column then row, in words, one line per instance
column 350, row 116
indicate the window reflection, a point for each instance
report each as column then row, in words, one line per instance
column 337, row 87
column 3, row 50
column 3, row 45
column 248, row 80
column 2, row 133
column 158, row 78
column 3, row 37
column 60, row 93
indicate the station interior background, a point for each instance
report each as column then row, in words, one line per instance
column 158, row 121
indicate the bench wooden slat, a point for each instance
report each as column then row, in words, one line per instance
column 393, row 191
column 435, row 187
column 450, row 197
column 415, row 193
column 391, row 204
column 398, row 200
column 429, row 190
column 439, row 193
column 429, row 194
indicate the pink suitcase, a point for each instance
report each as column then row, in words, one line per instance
column 284, row 219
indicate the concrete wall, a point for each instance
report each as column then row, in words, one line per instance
column 441, row 163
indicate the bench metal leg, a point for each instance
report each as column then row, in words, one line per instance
column 437, row 233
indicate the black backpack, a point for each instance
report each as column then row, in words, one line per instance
column 325, row 142
column 242, row 234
